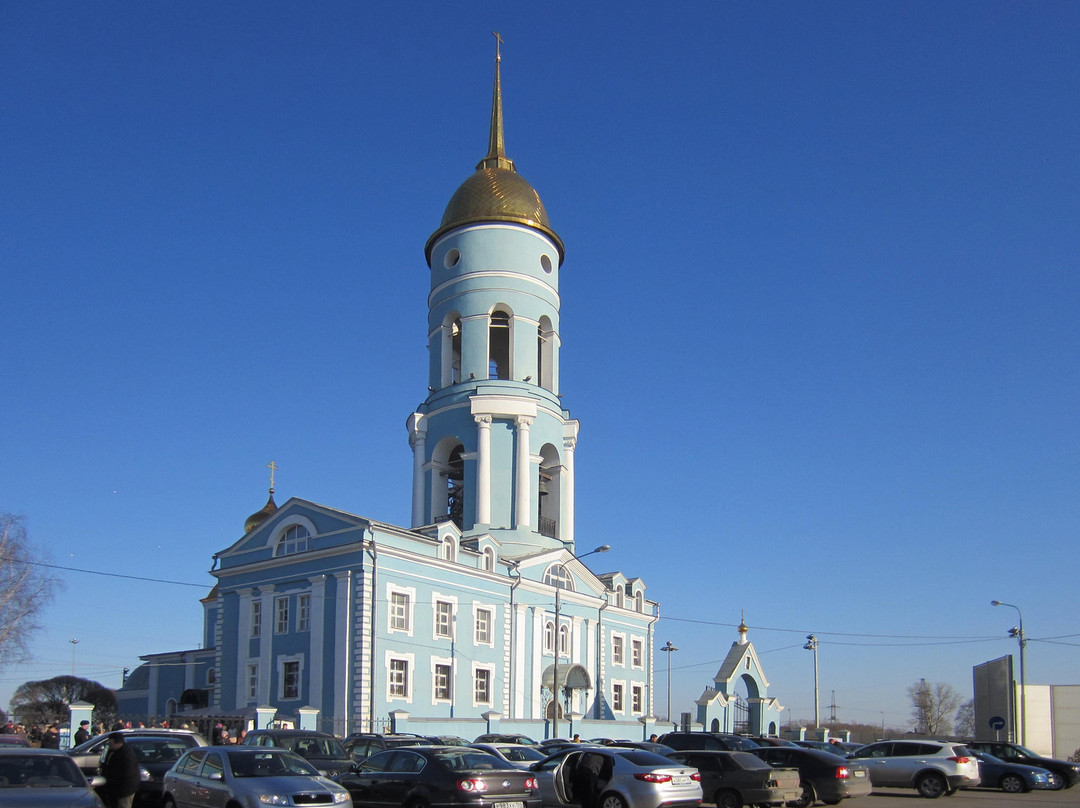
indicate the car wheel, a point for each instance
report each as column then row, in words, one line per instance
column 831, row 802
column 806, row 799
column 1012, row 784
column 611, row 800
column 168, row 802
column 727, row 798
column 932, row 786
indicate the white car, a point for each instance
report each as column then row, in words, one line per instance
column 626, row 778
column 932, row 768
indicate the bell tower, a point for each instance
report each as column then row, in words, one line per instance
column 493, row 449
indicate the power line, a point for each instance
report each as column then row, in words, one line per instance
column 116, row 575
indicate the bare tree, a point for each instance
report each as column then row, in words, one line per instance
column 49, row 700
column 24, row 589
column 932, row 704
column 965, row 719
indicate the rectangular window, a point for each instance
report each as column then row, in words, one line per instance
column 483, row 626
column 444, row 619
column 281, row 615
column 253, row 681
column 482, row 686
column 399, row 678
column 617, row 698
column 303, row 612
column 256, row 618
column 635, row 653
column 399, row 611
column 636, row 699
column 290, row 680
column 617, row 657
column 442, row 683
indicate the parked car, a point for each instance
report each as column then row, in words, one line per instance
column 734, row 779
column 708, row 740
column 517, row 755
column 321, row 750
column 648, row 746
column 827, row 746
column 14, row 741
column 500, row 737
column 822, row 776
column 1013, row 778
column 439, row 777
column 624, row 778
column 932, row 768
column 1069, row 773
column 769, row 740
column 248, row 776
column 43, row 778
column 362, row 745
column 87, row 755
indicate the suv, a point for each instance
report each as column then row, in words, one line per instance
column 361, row 745
column 930, row 767
column 720, row 741
column 1068, row 773
column 322, row 751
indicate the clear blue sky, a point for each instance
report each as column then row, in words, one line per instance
column 820, row 319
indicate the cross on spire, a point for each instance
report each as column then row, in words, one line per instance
column 273, row 467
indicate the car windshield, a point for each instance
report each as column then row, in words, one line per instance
column 269, row 764
column 747, row 761
column 461, row 760
column 1023, row 750
column 520, row 754
column 315, row 747
column 642, row 757
column 40, row 771
column 158, row 750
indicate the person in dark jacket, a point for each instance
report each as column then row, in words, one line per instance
column 82, row 734
column 121, row 772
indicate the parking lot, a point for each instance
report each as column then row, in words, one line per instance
column 901, row 798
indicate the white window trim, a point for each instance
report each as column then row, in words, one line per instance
column 277, row 612
column 281, row 660
column 485, row 554
column 436, row 597
column 492, row 615
column 410, row 689
column 618, row 662
column 619, row 683
column 450, row 664
column 410, row 593
column 640, row 643
column 255, row 627
column 640, row 688
column 301, row 623
column 490, row 668
column 251, row 667
column 296, row 519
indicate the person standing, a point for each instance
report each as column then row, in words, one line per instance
column 82, row 734
column 121, row 772
column 51, row 737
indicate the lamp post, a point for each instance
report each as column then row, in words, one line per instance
column 1018, row 633
column 603, row 548
column 74, row 643
column 811, row 645
column 669, row 648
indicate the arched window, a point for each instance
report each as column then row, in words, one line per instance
column 549, row 486
column 211, row 676
column 293, row 540
column 455, row 486
column 487, row 560
column 619, row 596
column 499, row 345
column 448, row 548
column 639, row 602
column 549, row 637
column 556, row 575
column 455, row 351
column 545, row 354
column 564, row 640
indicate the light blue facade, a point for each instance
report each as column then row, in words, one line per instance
column 476, row 616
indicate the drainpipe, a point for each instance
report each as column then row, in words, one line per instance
column 599, row 657
column 512, row 567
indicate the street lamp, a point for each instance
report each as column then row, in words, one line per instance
column 811, row 645
column 603, row 548
column 74, row 643
column 1018, row 633
column 669, row 648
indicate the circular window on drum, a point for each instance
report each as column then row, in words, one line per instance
column 451, row 259
column 545, row 263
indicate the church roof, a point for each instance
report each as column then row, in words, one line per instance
column 496, row 192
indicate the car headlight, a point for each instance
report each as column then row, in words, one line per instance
column 273, row 799
column 342, row 796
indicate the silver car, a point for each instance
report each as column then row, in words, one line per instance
column 518, row 755
column 930, row 767
column 44, row 778
column 248, row 776
column 624, row 778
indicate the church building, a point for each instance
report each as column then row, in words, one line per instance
column 479, row 616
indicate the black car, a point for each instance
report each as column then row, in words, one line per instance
column 720, row 741
column 362, row 745
column 439, row 777
column 1068, row 773
column 503, row 737
column 321, row 750
column 822, row 775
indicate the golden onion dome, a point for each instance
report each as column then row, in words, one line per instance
column 496, row 192
column 260, row 516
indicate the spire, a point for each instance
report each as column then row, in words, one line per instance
column 496, row 156
column 267, row 510
column 742, row 628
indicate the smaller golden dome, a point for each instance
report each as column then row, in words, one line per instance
column 260, row 516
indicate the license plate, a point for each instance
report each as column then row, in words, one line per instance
column 680, row 780
column 507, row 805
column 860, row 773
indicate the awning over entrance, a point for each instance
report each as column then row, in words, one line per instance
column 571, row 675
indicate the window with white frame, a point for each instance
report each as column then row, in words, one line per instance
column 293, row 540
column 618, row 650
column 253, row 681
column 211, row 676
column 639, row 602
column 441, row 677
column 303, row 612
column 636, row 653
column 290, row 671
column 281, row 615
column 444, row 619
column 636, row 699
column 487, row 560
column 483, row 627
column 564, row 640
column 482, row 686
column 557, row 576
column 448, row 548
column 549, row 637
column 400, row 611
column 398, row 680
column 256, row 618
column 617, row 697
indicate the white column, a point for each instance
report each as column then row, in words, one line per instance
column 566, row 497
column 266, row 642
column 343, row 672
column 523, row 467
column 418, row 441
column 316, row 640
column 483, row 469
column 243, row 641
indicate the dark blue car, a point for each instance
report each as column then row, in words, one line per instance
column 1011, row 777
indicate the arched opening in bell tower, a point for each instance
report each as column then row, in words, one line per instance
column 499, row 345
column 448, row 482
column 549, row 487
column 545, row 354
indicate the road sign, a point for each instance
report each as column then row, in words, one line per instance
column 997, row 722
